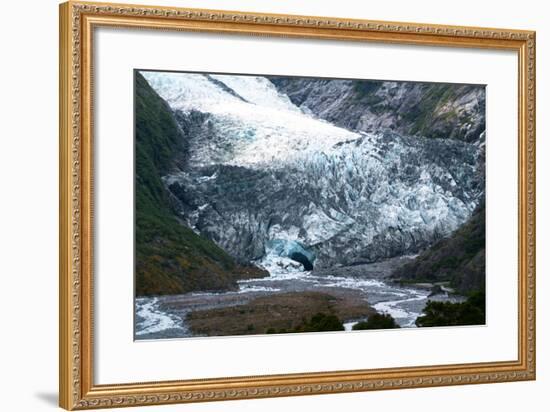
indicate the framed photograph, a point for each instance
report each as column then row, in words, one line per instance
column 257, row 205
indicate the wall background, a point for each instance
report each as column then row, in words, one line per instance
column 28, row 204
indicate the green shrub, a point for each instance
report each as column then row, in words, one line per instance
column 470, row 312
column 377, row 321
column 320, row 322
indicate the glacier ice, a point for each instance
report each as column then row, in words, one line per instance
column 265, row 179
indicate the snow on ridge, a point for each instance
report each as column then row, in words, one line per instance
column 265, row 128
column 188, row 91
column 257, row 90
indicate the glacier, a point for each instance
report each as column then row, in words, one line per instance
column 252, row 125
column 270, row 182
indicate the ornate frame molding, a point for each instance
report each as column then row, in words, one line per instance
column 77, row 21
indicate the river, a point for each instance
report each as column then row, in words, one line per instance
column 163, row 317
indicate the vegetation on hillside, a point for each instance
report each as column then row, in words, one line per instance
column 470, row 312
column 458, row 259
column 170, row 258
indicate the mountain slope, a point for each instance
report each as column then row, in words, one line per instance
column 434, row 110
column 460, row 258
column 170, row 258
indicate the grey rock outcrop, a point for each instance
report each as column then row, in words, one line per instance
column 434, row 110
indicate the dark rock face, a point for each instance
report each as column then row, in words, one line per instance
column 266, row 176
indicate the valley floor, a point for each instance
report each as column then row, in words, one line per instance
column 284, row 300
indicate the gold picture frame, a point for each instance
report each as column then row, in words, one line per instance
column 76, row 385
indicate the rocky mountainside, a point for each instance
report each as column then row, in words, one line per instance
column 433, row 110
column 279, row 171
column 459, row 259
column 170, row 257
